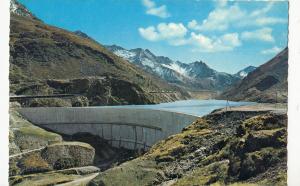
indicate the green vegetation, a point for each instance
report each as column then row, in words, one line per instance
column 134, row 173
column 206, row 175
column 43, row 179
column 233, row 148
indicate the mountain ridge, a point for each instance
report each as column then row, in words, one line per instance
column 41, row 52
column 267, row 83
column 195, row 75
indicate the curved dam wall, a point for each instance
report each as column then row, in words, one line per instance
column 122, row 127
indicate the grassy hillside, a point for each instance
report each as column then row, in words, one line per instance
column 39, row 52
column 222, row 148
column 267, row 83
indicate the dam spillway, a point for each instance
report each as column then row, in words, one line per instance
column 123, row 127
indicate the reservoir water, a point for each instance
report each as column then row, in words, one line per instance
column 192, row 107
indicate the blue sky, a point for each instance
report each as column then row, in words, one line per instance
column 228, row 36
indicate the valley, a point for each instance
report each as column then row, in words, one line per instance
column 85, row 113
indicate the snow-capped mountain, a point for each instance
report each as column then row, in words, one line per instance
column 244, row 72
column 196, row 75
column 158, row 65
column 19, row 9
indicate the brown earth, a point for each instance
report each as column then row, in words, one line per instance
column 268, row 83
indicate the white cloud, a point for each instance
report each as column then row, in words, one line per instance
column 178, row 42
column 262, row 11
column 264, row 34
column 273, row 50
column 193, row 24
column 269, row 21
column 231, row 39
column 226, row 42
column 153, row 9
column 221, row 3
column 149, row 33
column 225, row 16
column 173, row 32
column 219, row 19
column 148, row 3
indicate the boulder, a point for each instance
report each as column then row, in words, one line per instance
column 68, row 154
column 80, row 101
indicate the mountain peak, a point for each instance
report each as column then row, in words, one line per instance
column 244, row 72
column 199, row 63
column 196, row 75
column 264, row 83
column 114, row 47
column 81, row 34
column 148, row 52
column 19, row 9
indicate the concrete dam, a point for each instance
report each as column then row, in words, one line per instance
column 122, row 127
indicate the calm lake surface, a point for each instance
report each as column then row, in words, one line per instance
column 192, row 107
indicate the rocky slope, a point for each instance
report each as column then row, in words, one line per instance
column 195, row 76
column 222, row 148
column 267, row 83
column 105, row 90
column 40, row 52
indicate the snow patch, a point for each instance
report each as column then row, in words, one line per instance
column 243, row 74
column 177, row 68
column 13, row 6
column 124, row 54
column 147, row 62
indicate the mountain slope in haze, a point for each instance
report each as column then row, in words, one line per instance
column 267, row 83
column 196, row 75
column 40, row 52
column 244, row 72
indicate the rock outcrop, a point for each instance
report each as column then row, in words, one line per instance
column 68, row 154
column 222, row 148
